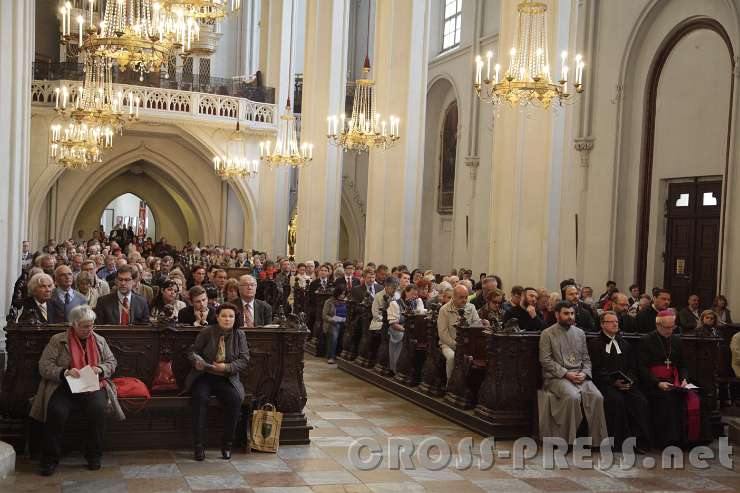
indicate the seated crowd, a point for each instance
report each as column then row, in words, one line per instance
column 603, row 384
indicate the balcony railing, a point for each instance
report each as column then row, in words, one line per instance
column 157, row 101
column 180, row 82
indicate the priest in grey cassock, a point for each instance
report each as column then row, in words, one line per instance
column 569, row 393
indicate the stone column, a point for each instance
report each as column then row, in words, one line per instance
column 272, row 208
column 17, row 38
column 324, row 81
column 525, row 178
column 395, row 175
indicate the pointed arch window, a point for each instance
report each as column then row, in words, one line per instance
column 448, row 158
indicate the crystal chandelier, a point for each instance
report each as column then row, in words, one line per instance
column 235, row 163
column 92, row 115
column 528, row 82
column 364, row 130
column 286, row 150
column 137, row 34
column 209, row 11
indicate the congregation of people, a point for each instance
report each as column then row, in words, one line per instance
column 602, row 386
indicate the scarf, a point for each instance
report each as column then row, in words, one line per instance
column 90, row 356
column 221, row 350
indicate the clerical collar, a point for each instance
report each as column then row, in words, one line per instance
column 612, row 342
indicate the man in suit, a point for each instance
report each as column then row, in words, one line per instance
column 26, row 254
column 585, row 317
column 197, row 314
column 124, row 307
column 64, row 298
column 255, row 313
column 689, row 316
column 645, row 320
column 36, row 306
column 488, row 285
column 349, row 276
column 621, row 306
column 370, row 286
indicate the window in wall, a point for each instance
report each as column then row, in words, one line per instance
column 453, row 19
column 448, row 156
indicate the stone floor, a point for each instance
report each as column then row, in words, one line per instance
column 342, row 408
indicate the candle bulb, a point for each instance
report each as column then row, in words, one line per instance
column 382, row 128
column 478, row 70
column 489, row 56
column 563, row 58
column 262, row 149
column 497, row 68
column 56, row 91
column 92, row 7
column 328, row 125
column 342, row 118
column 138, row 101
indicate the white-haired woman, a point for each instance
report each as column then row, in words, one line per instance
column 64, row 356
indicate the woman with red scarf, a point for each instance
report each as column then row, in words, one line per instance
column 64, row 356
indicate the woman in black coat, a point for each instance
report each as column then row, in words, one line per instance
column 218, row 355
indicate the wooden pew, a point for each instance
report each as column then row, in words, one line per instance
column 415, row 344
column 275, row 374
column 316, row 344
column 504, row 404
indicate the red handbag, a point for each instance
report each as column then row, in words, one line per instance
column 164, row 378
column 131, row 388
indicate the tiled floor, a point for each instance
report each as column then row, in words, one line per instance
column 342, row 408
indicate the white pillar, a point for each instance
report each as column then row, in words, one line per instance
column 272, row 208
column 324, row 81
column 527, row 159
column 17, row 38
column 395, row 175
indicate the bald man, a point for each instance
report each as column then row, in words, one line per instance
column 64, row 298
column 449, row 316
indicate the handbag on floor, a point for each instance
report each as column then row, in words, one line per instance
column 266, row 429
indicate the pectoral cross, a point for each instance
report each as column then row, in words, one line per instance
column 667, row 362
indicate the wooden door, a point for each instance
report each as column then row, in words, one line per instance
column 692, row 241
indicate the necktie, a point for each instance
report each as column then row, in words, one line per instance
column 248, row 317
column 66, row 298
column 372, row 291
column 42, row 307
column 124, row 311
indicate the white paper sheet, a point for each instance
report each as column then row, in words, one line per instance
column 88, row 381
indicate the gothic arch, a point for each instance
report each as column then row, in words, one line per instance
column 186, row 185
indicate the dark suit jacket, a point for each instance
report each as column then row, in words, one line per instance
column 687, row 320
column 262, row 313
column 645, row 320
column 30, row 310
column 343, row 280
column 60, row 312
column 187, row 316
column 108, row 313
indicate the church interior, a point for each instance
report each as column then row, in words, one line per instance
column 507, row 219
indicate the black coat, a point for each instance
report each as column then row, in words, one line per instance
column 604, row 365
column 526, row 322
column 262, row 312
column 645, row 320
column 186, row 316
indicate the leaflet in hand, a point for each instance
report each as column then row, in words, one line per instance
column 87, row 382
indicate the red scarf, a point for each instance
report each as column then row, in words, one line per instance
column 693, row 423
column 90, row 356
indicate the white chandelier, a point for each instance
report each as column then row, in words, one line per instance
column 528, row 81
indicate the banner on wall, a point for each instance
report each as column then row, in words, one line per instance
column 141, row 228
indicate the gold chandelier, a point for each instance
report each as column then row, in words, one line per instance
column 364, row 130
column 235, row 163
column 528, row 82
column 208, row 11
column 92, row 115
column 286, row 151
column 136, row 34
